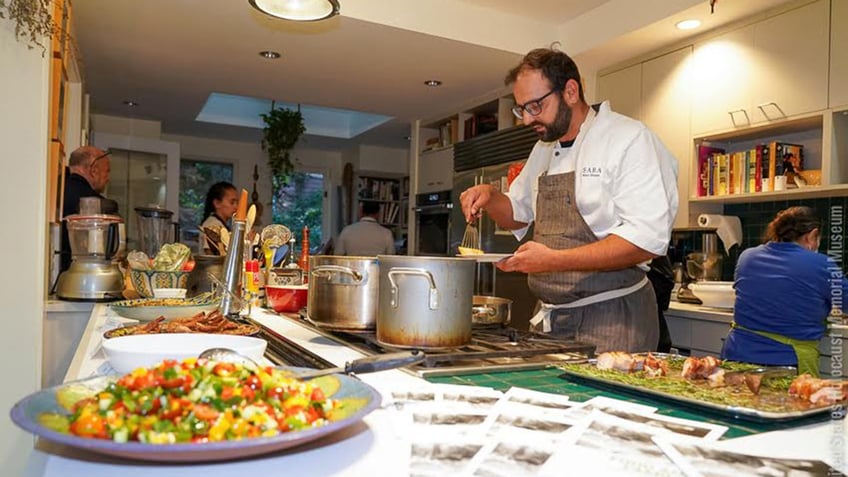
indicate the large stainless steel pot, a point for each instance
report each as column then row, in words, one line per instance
column 198, row 280
column 425, row 302
column 491, row 310
column 343, row 292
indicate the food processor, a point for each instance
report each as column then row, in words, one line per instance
column 96, row 245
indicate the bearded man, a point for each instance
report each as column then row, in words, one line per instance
column 601, row 191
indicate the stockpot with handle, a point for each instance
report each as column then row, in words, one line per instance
column 425, row 302
column 343, row 292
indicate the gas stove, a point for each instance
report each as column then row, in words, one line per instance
column 491, row 350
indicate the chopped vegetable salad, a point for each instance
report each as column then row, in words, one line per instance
column 200, row 401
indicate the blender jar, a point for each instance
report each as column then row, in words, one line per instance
column 154, row 229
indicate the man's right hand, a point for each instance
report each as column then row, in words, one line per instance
column 474, row 199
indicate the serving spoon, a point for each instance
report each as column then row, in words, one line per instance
column 370, row 364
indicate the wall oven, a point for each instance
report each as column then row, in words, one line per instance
column 433, row 223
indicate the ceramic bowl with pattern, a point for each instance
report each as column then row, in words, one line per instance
column 145, row 281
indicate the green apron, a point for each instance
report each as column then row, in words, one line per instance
column 807, row 352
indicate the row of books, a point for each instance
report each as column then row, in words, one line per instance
column 744, row 172
column 378, row 189
column 388, row 214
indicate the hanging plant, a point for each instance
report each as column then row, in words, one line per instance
column 283, row 128
column 33, row 20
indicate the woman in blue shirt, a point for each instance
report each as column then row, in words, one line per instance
column 784, row 293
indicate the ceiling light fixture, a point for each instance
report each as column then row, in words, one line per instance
column 688, row 24
column 297, row 10
column 268, row 54
column 130, row 103
column 433, row 83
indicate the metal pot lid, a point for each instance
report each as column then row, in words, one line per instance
column 155, row 212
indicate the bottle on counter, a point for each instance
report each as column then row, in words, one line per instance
column 303, row 263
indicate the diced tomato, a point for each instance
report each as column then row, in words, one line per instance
column 205, row 413
column 312, row 415
column 317, row 395
column 277, row 392
column 224, row 369
column 292, row 410
column 227, row 393
column 254, row 382
column 89, row 425
column 248, row 393
column 172, row 383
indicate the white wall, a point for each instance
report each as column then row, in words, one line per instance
column 23, row 191
column 383, row 159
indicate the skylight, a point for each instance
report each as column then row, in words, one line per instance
column 235, row 110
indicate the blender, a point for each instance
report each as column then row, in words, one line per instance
column 154, row 229
column 96, row 241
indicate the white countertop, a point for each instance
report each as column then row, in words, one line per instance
column 374, row 447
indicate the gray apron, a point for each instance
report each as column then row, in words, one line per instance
column 614, row 310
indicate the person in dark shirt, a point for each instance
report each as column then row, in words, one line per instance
column 785, row 291
column 86, row 176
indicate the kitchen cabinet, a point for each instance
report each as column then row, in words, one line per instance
column 839, row 54
column 623, row 89
column 698, row 330
column 435, row 170
column 768, row 71
column 666, row 109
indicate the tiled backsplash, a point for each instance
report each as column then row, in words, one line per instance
column 755, row 218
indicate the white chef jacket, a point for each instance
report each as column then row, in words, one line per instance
column 625, row 180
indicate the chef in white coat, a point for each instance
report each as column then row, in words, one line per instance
column 601, row 189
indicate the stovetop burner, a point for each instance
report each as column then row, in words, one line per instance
column 490, row 350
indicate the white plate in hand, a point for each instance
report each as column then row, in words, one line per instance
column 488, row 257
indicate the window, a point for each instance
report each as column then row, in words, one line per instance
column 299, row 203
column 196, row 177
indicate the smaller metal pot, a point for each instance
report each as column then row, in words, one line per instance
column 198, row 280
column 491, row 310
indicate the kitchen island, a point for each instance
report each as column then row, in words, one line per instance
column 374, row 447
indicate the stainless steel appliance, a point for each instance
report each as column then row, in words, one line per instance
column 154, row 229
column 490, row 350
column 433, row 224
column 490, row 280
column 93, row 275
column 425, row 302
column 343, row 292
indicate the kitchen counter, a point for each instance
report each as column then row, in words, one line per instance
column 372, row 447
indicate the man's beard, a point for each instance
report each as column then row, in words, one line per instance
column 559, row 126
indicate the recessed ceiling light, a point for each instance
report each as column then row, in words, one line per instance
column 271, row 55
column 688, row 24
column 433, row 83
column 130, row 103
column 408, row 138
column 297, row 10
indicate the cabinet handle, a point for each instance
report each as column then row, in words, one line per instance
column 762, row 107
column 740, row 110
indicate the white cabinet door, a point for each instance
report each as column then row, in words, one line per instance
column 791, row 63
column 666, row 109
column 839, row 54
column 623, row 89
column 435, row 171
column 721, row 80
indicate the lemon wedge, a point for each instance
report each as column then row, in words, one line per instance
column 469, row 251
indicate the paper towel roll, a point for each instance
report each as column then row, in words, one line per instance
column 728, row 228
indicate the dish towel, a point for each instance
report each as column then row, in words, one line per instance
column 728, row 228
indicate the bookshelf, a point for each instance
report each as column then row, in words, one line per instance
column 392, row 195
column 822, row 136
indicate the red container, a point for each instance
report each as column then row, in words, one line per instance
column 286, row 299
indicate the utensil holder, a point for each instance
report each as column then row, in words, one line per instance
column 233, row 267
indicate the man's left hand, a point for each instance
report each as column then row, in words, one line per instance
column 531, row 257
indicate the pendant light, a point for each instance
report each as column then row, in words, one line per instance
column 297, row 10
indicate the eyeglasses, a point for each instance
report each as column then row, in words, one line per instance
column 533, row 108
column 94, row 161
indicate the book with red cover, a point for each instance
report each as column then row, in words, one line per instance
column 704, row 153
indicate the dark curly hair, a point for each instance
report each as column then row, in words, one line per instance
column 556, row 67
column 790, row 224
column 216, row 192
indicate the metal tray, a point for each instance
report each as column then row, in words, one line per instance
column 736, row 412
